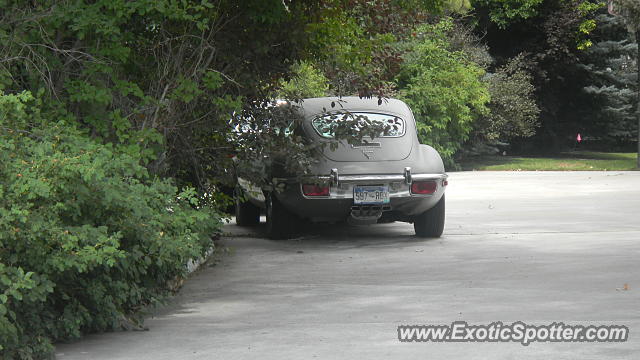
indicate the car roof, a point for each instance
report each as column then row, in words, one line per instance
column 314, row 106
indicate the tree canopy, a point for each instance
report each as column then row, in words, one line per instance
column 123, row 123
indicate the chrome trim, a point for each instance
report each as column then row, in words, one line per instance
column 366, row 145
column 388, row 178
column 398, row 187
column 335, row 179
column 407, row 175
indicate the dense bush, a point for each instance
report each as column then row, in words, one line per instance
column 87, row 236
column 514, row 112
column 443, row 88
column 306, row 82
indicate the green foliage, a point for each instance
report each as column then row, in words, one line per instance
column 87, row 236
column 443, row 88
column 358, row 43
column 551, row 41
column 513, row 110
column 269, row 143
column 345, row 51
column 127, row 71
column 587, row 9
column 135, row 90
column 630, row 10
column 503, row 12
column 306, row 82
column 610, row 83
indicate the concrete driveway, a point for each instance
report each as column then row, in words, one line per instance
column 539, row 247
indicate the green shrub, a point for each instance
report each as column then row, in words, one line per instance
column 87, row 236
column 443, row 88
column 306, row 82
column 514, row 112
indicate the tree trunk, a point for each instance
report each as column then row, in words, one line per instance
column 638, row 90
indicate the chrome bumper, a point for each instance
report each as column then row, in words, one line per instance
column 341, row 186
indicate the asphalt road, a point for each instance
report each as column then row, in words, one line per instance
column 539, row 247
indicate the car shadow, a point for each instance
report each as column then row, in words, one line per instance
column 340, row 234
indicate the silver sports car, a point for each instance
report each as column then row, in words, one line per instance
column 389, row 178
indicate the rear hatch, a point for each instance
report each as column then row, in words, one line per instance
column 395, row 144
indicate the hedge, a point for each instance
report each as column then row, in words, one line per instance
column 87, row 236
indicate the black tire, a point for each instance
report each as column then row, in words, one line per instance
column 280, row 222
column 247, row 214
column 430, row 223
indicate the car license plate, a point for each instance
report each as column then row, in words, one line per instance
column 370, row 194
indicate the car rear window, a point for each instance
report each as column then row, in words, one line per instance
column 325, row 125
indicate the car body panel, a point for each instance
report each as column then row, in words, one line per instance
column 395, row 163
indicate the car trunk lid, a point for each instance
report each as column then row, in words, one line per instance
column 378, row 149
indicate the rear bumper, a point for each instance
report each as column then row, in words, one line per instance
column 339, row 205
column 341, row 186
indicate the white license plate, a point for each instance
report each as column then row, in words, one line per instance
column 370, row 194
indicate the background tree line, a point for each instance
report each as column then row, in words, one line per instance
column 119, row 120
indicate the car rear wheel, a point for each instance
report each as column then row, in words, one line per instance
column 247, row 214
column 430, row 223
column 280, row 222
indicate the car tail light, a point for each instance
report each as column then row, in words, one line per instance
column 424, row 187
column 315, row 190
